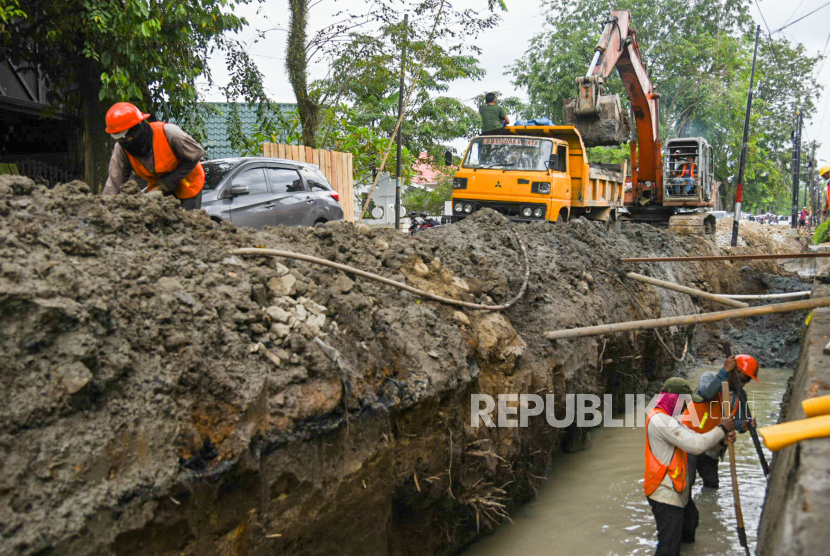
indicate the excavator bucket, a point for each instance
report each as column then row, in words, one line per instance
column 604, row 123
column 693, row 223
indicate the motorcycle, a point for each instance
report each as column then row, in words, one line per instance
column 416, row 226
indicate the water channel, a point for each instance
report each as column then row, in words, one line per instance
column 593, row 502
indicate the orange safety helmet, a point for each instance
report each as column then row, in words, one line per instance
column 122, row 116
column 748, row 366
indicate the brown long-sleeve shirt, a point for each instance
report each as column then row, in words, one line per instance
column 185, row 147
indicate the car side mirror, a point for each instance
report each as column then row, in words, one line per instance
column 553, row 162
column 447, row 158
column 237, row 190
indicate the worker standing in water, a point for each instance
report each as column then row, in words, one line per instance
column 161, row 154
column 666, row 485
column 709, row 412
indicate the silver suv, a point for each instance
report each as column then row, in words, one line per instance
column 258, row 192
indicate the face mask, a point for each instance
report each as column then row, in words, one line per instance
column 139, row 140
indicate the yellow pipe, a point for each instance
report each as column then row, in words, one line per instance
column 814, row 407
column 782, row 435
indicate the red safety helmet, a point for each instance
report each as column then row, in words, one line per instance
column 122, row 116
column 748, row 366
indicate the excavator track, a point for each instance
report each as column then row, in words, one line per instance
column 694, row 223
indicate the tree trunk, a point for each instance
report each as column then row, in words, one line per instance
column 297, row 65
column 97, row 144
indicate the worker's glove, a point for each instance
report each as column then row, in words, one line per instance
column 166, row 185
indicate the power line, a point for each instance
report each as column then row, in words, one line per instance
column 794, row 12
column 802, row 17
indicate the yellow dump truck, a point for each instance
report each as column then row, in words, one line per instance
column 532, row 173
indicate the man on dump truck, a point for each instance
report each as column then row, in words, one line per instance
column 533, row 173
column 665, row 483
column 161, row 154
column 493, row 117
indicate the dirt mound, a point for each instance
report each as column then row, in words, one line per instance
column 161, row 396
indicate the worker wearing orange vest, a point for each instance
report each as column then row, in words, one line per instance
column 824, row 172
column 160, row 153
column 709, row 412
column 687, row 175
column 665, row 482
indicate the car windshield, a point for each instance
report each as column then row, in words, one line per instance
column 513, row 153
column 215, row 172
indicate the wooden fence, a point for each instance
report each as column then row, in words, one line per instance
column 336, row 166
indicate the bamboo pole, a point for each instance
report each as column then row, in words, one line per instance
column 690, row 291
column 734, row 472
column 727, row 257
column 803, row 305
column 769, row 295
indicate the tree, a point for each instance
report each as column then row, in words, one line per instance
column 96, row 52
column 698, row 53
column 374, row 34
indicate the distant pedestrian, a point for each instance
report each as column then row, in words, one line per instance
column 493, row 117
column 161, row 154
column 666, row 484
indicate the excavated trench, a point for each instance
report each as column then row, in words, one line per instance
column 161, row 396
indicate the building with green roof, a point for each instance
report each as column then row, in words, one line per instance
column 217, row 143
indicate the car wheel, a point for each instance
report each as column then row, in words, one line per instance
column 319, row 223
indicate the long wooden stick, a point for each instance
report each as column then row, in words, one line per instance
column 769, row 295
column 701, row 318
column 690, row 291
column 726, row 257
column 734, row 471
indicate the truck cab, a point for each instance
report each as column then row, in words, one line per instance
column 533, row 173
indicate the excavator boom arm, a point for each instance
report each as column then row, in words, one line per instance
column 618, row 48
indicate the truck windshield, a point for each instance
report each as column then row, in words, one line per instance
column 514, row 153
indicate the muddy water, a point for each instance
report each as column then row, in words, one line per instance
column 593, row 502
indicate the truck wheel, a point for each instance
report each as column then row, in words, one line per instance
column 563, row 216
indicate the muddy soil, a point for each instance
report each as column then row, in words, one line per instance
column 160, row 396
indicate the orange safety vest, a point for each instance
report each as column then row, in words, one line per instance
column 708, row 413
column 165, row 162
column 655, row 470
column 686, row 170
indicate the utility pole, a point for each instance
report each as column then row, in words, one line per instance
column 811, row 217
column 796, row 165
column 399, row 178
column 742, row 167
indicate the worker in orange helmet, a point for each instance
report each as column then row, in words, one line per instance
column 709, row 412
column 160, row 153
column 824, row 172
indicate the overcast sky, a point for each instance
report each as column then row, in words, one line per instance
column 506, row 43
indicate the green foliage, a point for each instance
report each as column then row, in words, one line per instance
column 430, row 201
column 610, row 155
column 10, row 9
column 367, row 145
column 820, row 235
column 151, row 53
column 699, row 55
column 366, row 76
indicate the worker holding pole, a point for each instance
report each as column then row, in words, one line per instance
column 824, row 172
column 709, row 412
column 666, row 485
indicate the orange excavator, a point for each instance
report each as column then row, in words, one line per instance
column 670, row 183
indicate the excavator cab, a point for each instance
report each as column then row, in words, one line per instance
column 688, row 175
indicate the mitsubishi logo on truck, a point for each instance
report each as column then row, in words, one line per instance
column 498, row 184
